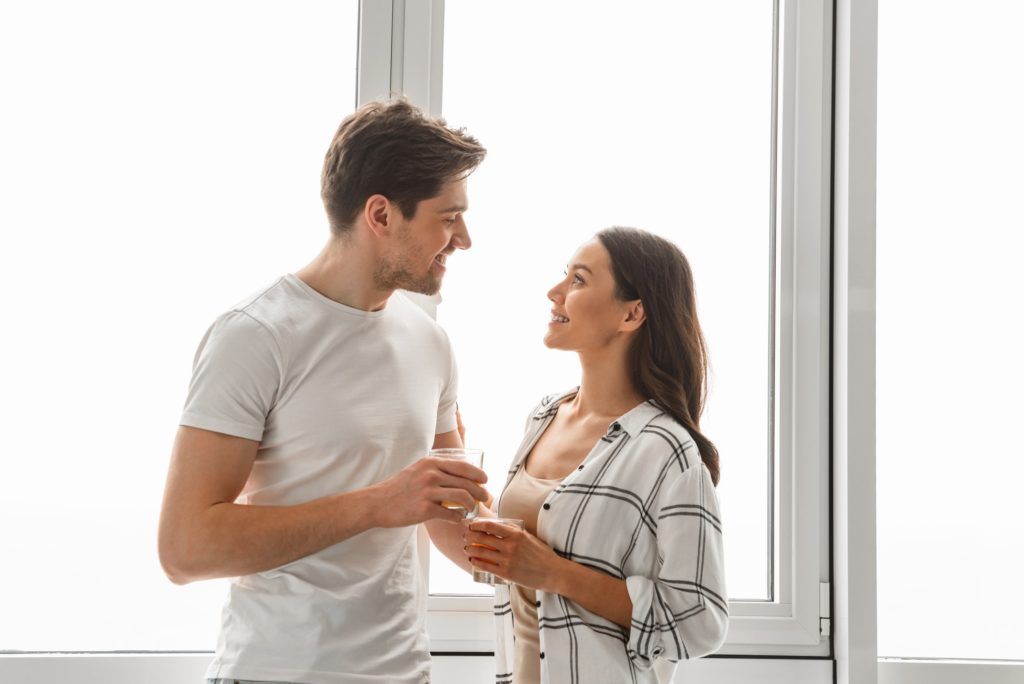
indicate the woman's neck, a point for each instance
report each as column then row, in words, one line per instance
column 606, row 389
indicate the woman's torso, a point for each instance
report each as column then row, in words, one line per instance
column 560, row 450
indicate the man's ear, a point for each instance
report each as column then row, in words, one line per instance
column 634, row 317
column 378, row 212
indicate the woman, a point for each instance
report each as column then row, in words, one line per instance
column 621, row 560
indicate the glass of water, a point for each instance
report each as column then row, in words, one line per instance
column 472, row 456
column 483, row 576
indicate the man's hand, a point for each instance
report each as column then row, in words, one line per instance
column 414, row 495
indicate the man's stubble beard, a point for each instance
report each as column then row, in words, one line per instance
column 394, row 271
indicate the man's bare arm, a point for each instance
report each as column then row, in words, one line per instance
column 204, row 534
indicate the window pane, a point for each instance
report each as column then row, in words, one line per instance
column 950, row 369
column 148, row 150
column 655, row 115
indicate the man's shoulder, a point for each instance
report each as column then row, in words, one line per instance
column 265, row 304
column 255, row 320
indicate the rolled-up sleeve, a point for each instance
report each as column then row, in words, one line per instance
column 683, row 612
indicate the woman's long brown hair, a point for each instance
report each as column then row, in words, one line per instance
column 668, row 358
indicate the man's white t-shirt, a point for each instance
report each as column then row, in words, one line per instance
column 339, row 399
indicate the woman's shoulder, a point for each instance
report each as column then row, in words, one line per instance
column 551, row 401
column 548, row 405
column 664, row 438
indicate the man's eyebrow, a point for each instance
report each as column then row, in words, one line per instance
column 454, row 207
column 581, row 267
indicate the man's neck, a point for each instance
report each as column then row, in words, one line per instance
column 343, row 271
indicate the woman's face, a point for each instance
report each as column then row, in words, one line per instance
column 586, row 297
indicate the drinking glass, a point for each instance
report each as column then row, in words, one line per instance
column 472, row 456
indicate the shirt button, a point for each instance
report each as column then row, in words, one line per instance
column 547, row 507
column 580, row 468
column 542, row 655
column 538, row 604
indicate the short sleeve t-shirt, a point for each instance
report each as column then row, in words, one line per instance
column 339, row 399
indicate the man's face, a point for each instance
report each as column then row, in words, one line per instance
column 421, row 244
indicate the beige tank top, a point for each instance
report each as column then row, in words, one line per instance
column 522, row 499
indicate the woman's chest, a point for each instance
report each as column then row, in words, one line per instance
column 559, row 451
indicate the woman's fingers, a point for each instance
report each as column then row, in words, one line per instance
column 479, row 538
column 494, row 528
column 482, row 553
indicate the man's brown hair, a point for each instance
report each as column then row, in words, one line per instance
column 393, row 149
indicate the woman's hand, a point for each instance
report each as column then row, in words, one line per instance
column 513, row 554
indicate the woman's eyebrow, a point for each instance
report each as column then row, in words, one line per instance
column 581, row 267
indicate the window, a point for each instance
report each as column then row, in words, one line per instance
column 949, row 332
column 690, row 159
column 151, row 150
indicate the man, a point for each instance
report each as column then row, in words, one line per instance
column 299, row 467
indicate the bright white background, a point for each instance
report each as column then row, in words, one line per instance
column 950, row 329
column 653, row 115
column 160, row 165
column 157, row 164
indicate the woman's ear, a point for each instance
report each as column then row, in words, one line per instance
column 634, row 317
column 377, row 214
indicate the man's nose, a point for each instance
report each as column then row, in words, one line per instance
column 461, row 239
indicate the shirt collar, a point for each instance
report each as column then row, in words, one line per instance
column 632, row 422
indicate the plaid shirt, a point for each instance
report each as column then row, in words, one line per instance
column 642, row 508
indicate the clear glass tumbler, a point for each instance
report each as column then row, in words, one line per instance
column 473, row 456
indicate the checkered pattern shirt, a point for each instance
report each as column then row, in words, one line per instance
column 642, row 508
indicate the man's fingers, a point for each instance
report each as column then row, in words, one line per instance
column 458, row 468
column 476, row 491
column 450, row 515
column 453, row 496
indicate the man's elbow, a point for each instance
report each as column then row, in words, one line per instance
column 172, row 567
column 175, row 560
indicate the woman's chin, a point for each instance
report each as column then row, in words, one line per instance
column 551, row 341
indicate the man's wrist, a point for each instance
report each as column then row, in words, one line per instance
column 364, row 507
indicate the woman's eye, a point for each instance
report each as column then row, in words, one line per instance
column 577, row 279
